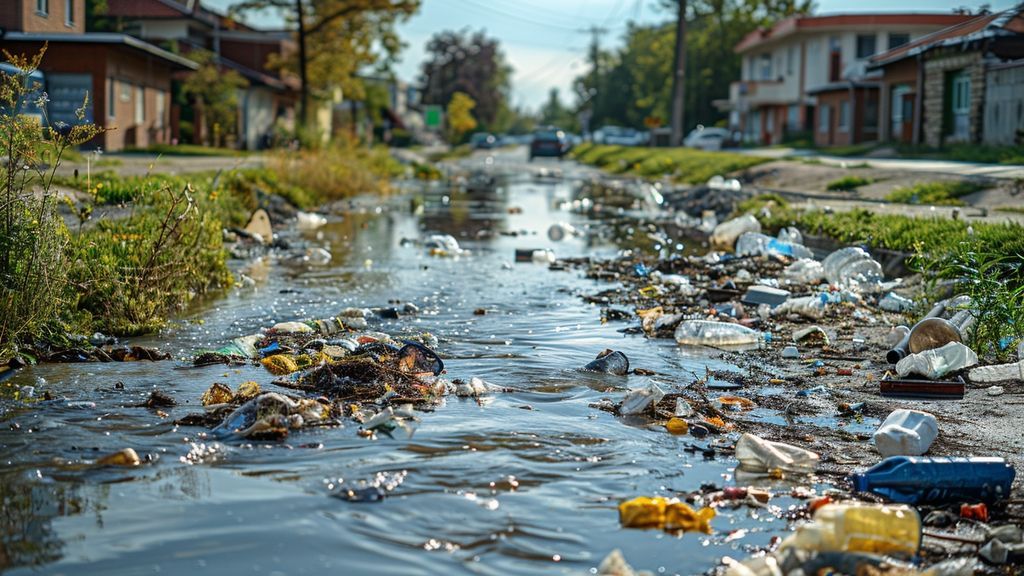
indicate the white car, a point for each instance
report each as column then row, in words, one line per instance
column 708, row 138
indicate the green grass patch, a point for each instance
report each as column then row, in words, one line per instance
column 1011, row 209
column 983, row 154
column 426, row 171
column 183, row 150
column 848, row 183
column 453, row 153
column 681, row 164
column 942, row 193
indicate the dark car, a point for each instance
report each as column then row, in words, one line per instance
column 483, row 141
column 550, row 142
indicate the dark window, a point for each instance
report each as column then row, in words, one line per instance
column 42, row 7
column 896, row 40
column 69, row 12
column 865, row 45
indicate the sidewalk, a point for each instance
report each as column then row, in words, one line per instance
column 1008, row 171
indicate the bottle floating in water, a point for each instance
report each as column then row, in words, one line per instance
column 860, row 527
column 920, row 480
column 711, row 333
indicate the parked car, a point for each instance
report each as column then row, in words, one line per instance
column 483, row 141
column 619, row 136
column 549, row 142
column 34, row 84
column 709, row 138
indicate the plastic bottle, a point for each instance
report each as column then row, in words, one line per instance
column 711, row 333
column 906, row 433
column 860, row 527
column 893, row 302
column 757, row 244
column 921, row 480
column 803, row 271
column 851, row 266
column 812, row 307
column 725, row 234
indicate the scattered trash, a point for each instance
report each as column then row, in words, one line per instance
column 125, row 457
column 609, row 362
column 938, row 362
column 995, row 390
column 923, row 480
column 615, row 565
column 755, row 454
column 790, row 352
column 906, row 433
column 539, row 256
column 677, row 426
column 725, row 234
column 443, row 245
column 309, row 220
column 270, row 415
column 892, row 302
column 803, row 271
column 813, row 335
column 664, row 513
column 923, row 389
column 259, row 226
column 559, row 230
column 757, row 244
column 765, row 295
column 852, row 267
column 1000, row 372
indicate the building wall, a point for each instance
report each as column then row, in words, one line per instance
column 258, row 111
column 250, row 54
column 22, row 16
column 131, row 74
column 936, row 67
column 904, row 72
column 1004, row 106
column 832, row 134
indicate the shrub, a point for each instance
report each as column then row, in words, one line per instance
column 848, row 183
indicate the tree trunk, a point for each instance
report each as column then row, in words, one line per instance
column 679, row 78
column 303, row 67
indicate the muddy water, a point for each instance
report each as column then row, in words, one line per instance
column 524, row 483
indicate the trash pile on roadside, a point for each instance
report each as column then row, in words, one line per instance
column 839, row 321
column 333, row 368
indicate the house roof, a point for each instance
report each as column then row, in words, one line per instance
column 1000, row 24
column 842, row 85
column 794, row 24
column 104, row 38
column 170, row 9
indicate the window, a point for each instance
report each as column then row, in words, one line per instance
column 844, row 116
column 896, row 40
column 870, row 121
column 42, row 7
column 900, row 110
column 960, row 103
column 111, row 99
column 126, row 92
column 140, row 104
column 790, row 59
column 865, row 45
column 160, row 110
column 793, row 118
column 824, row 118
column 766, row 66
column 69, row 12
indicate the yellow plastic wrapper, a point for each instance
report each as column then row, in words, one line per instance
column 658, row 512
column 247, row 390
column 217, row 394
column 677, row 426
column 125, row 457
column 280, row 364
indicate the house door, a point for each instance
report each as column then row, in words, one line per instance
column 906, row 103
column 960, row 105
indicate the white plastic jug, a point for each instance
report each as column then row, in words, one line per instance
column 906, row 433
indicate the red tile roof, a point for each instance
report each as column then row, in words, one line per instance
column 1006, row 23
column 793, row 24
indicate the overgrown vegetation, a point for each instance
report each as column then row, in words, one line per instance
column 941, row 193
column 183, row 150
column 681, row 164
column 848, row 183
column 340, row 170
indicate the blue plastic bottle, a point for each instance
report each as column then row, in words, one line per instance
column 921, row 480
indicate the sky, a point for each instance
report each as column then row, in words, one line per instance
column 546, row 41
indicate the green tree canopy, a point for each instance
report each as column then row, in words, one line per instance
column 471, row 64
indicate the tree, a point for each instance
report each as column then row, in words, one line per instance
column 460, row 116
column 553, row 113
column 337, row 38
column 216, row 91
column 474, row 65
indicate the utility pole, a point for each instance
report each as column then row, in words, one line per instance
column 679, row 77
column 303, row 66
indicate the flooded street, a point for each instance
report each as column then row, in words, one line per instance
column 522, row 482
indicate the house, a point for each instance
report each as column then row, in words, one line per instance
column 269, row 101
column 127, row 80
column 806, row 73
column 962, row 84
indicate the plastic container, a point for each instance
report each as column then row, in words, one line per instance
column 756, row 454
column 852, row 267
column 860, row 527
column 757, row 244
column 711, row 333
column 938, row 362
column 609, row 362
column 803, row 271
column 812, row 307
column 906, row 433
column 725, row 234
column 895, row 303
column 765, row 295
column 1001, row 372
column 791, row 235
column 924, row 480
column 637, row 401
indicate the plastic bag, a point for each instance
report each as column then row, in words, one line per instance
column 938, row 362
column 756, row 454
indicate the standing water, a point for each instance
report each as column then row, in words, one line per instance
column 524, row 482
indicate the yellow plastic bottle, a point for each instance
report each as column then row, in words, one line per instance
column 860, row 527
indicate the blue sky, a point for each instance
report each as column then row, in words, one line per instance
column 545, row 40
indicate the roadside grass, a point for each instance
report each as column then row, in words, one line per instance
column 681, row 164
column 1010, row 209
column 941, row 193
column 848, row 183
column 426, row 171
column 453, row 153
column 184, row 150
column 341, row 170
column 966, row 153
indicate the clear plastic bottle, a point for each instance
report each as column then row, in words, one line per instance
column 757, row 244
column 860, row 527
column 725, row 234
column 852, row 266
column 711, row 333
